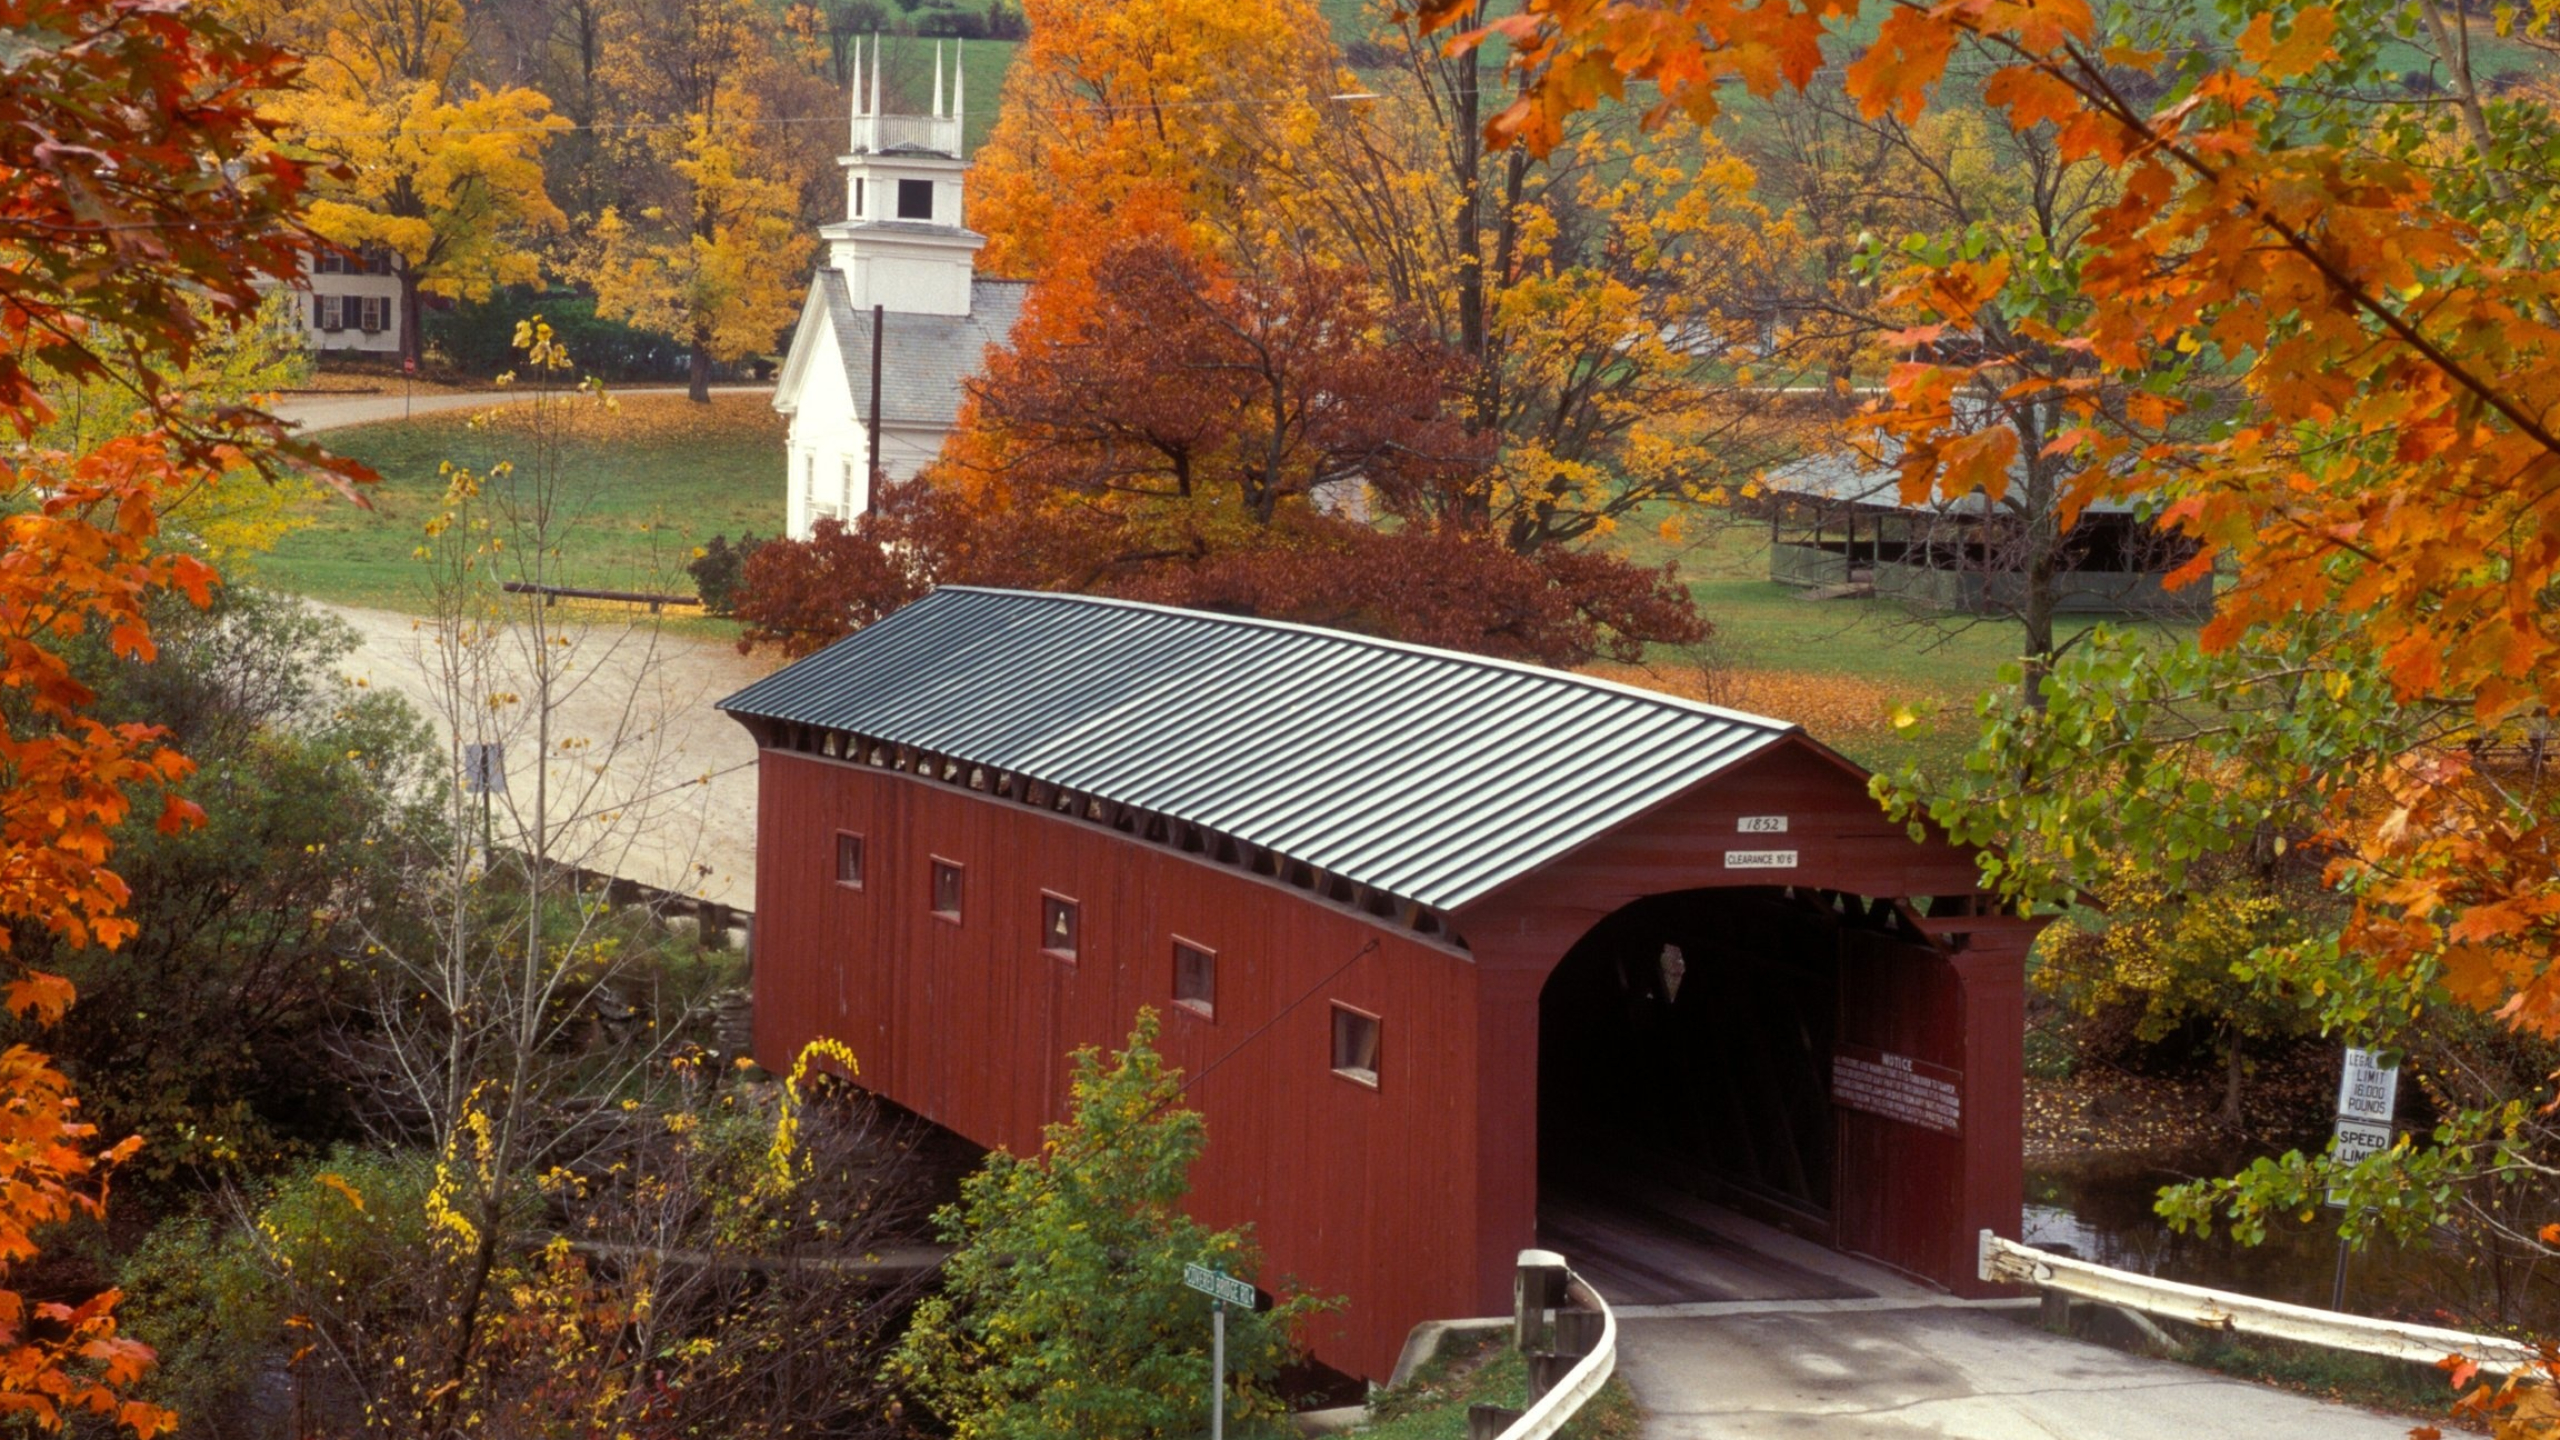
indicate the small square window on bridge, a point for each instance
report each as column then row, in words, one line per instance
column 1195, row 978
column 1355, row 1045
column 1058, row 925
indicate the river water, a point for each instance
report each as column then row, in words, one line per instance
column 2101, row 1210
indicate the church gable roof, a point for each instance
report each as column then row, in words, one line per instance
column 927, row 360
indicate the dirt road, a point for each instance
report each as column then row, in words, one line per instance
column 661, row 786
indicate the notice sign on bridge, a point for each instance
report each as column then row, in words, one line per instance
column 1898, row 1087
column 1219, row 1287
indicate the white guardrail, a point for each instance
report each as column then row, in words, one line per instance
column 2011, row 1263
column 1564, row 1399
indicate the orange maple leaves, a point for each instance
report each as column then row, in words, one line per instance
column 2396, row 461
column 141, row 215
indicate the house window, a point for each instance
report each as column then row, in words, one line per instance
column 330, row 311
column 857, row 197
column 1355, row 1045
column 915, row 199
column 377, row 260
column 848, row 860
column 848, row 479
column 1195, row 978
column 332, row 262
column 374, row 313
column 1058, row 924
column 946, row 890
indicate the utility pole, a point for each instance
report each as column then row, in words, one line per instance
column 879, row 333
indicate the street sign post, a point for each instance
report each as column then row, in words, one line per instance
column 2368, row 1093
column 1222, row 1290
column 484, row 773
column 484, row 769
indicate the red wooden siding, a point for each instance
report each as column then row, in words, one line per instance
column 1410, row 1199
column 1366, row 1193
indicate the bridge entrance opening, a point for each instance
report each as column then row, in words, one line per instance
column 1689, row 1141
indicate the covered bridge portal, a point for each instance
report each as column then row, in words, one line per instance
column 1420, row 924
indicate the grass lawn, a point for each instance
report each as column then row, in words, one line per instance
column 1472, row 1368
column 1840, row 668
column 646, row 484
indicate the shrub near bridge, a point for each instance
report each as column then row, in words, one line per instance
column 1063, row 1314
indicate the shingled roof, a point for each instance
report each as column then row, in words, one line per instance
column 1841, row 477
column 927, row 360
column 1418, row 773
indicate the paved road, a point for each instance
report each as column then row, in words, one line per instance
column 329, row 412
column 664, row 784
column 1888, row 1370
column 1814, row 1343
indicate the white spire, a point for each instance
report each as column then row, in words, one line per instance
column 857, row 75
column 876, row 68
column 959, row 78
column 937, row 77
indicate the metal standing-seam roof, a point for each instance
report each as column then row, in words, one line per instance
column 1430, row 775
column 927, row 361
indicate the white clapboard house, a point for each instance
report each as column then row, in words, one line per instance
column 350, row 301
column 902, row 264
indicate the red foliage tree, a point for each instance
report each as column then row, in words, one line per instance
column 1275, row 443
column 142, row 213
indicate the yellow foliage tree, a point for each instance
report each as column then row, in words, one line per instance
column 230, row 514
column 715, row 255
column 1611, row 299
column 1146, row 114
column 444, row 174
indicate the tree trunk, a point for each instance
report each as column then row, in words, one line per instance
column 413, row 350
column 2234, row 1070
column 698, row 388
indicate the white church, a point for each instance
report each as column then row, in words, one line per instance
column 901, row 267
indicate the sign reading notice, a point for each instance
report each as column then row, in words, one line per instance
column 1219, row 1287
column 2367, row 1090
column 1898, row 1087
column 1759, row 859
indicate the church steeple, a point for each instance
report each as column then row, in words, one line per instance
column 904, row 243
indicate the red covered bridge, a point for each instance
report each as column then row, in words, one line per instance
column 1417, row 919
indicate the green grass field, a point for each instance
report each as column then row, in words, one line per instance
column 1841, row 668
column 642, row 488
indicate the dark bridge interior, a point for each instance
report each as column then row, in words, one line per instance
column 1684, row 1075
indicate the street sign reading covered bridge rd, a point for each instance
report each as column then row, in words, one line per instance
column 1223, row 1287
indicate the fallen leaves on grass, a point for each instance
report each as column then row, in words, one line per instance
column 1825, row 705
column 656, row 418
column 2105, row 1111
